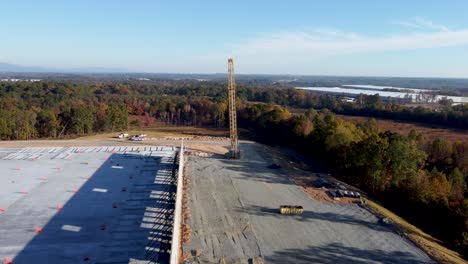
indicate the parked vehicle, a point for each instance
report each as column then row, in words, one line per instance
column 136, row 138
column 274, row 166
column 122, row 135
column 318, row 183
column 385, row 221
column 341, row 186
column 335, row 194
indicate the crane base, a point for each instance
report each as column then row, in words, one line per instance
column 233, row 154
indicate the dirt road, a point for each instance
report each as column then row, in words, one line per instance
column 234, row 206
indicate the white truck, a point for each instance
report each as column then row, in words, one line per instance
column 122, row 135
column 136, row 138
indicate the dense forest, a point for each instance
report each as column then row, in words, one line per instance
column 60, row 109
column 424, row 181
column 443, row 86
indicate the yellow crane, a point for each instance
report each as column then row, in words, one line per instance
column 234, row 152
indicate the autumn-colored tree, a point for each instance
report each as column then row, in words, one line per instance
column 301, row 125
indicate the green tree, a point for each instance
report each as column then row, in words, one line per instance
column 117, row 117
column 47, row 124
column 219, row 111
column 440, row 153
column 458, row 186
column 25, row 122
column 7, row 124
column 368, row 159
column 404, row 160
column 342, row 134
column 81, row 120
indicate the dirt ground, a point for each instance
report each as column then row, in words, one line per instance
column 300, row 173
column 209, row 145
column 201, row 141
column 235, row 218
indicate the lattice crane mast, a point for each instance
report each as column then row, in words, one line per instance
column 234, row 151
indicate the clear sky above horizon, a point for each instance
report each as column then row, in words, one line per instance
column 362, row 37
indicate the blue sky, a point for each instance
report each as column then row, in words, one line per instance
column 361, row 37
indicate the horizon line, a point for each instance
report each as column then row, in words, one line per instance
column 220, row 73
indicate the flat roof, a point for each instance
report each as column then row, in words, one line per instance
column 86, row 204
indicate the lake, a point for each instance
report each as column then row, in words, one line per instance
column 373, row 89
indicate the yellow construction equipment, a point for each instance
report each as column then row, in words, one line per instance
column 234, row 151
column 291, row 209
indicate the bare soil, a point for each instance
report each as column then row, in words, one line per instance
column 206, row 140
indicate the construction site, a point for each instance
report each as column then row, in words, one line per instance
column 247, row 209
column 202, row 200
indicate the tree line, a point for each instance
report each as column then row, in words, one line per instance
column 367, row 105
column 56, row 110
column 61, row 109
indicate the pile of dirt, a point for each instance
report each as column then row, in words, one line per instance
column 210, row 149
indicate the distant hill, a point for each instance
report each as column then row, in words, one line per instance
column 8, row 67
column 450, row 86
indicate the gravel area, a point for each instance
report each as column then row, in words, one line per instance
column 234, row 206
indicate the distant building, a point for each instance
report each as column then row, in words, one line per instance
column 19, row 80
column 348, row 99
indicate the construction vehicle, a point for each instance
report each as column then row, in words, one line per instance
column 291, row 209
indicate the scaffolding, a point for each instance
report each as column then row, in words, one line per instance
column 234, row 151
